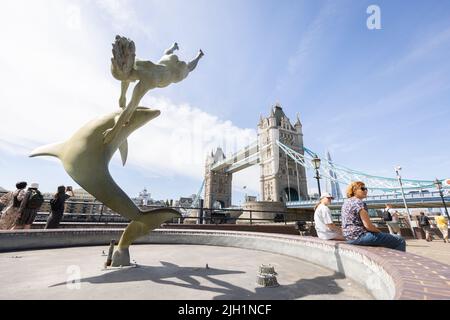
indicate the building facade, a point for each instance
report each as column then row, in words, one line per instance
column 81, row 203
column 281, row 178
column 217, row 183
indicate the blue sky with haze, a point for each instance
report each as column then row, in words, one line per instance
column 374, row 98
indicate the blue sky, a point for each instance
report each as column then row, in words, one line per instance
column 374, row 98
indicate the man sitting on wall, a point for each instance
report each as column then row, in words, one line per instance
column 323, row 221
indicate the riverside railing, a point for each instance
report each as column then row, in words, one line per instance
column 96, row 212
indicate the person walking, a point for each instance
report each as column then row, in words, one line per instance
column 29, row 207
column 387, row 216
column 12, row 202
column 391, row 218
column 356, row 225
column 57, row 206
column 442, row 224
column 424, row 223
column 323, row 221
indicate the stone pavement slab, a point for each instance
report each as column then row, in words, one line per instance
column 436, row 249
column 172, row 272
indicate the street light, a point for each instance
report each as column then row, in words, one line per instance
column 438, row 185
column 397, row 170
column 316, row 164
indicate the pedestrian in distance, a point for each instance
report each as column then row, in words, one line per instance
column 12, row 202
column 424, row 223
column 442, row 224
column 391, row 218
column 57, row 204
column 29, row 207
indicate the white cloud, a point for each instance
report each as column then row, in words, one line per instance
column 73, row 14
column 119, row 10
column 55, row 78
column 178, row 141
column 48, row 72
column 123, row 17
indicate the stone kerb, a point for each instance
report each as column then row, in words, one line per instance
column 387, row 274
column 49, row 239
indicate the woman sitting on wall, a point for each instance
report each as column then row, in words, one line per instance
column 356, row 225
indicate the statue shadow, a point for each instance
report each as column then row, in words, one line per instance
column 156, row 274
column 185, row 277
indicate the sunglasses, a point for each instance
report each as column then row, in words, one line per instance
column 363, row 189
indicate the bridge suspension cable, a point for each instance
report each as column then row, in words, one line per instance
column 198, row 196
column 346, row 176
column 288, row 174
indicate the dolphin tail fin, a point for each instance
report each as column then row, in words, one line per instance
column 146, row 222
column 53, row 150
column 155, row 218
column 124, row 152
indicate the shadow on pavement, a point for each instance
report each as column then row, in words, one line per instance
column 185, row 277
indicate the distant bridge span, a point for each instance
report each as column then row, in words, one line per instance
column 425, row 200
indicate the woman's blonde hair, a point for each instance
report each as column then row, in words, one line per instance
column 317, row 205
column 351, row 189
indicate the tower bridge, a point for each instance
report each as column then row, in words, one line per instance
column 281, row 178
column 283, row 159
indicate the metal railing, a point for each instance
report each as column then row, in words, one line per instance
column 202, row 215
column 199, row 215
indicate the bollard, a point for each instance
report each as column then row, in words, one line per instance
column 267, row 276
column 267, row 269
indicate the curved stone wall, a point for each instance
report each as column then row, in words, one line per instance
column 387, row 274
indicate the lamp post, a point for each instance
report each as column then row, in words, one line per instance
column 397, row 171
column 316, row 164
column 438, row 185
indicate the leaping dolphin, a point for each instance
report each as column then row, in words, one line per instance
column 86, row 157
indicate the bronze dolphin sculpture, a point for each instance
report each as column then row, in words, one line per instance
column 86, row 157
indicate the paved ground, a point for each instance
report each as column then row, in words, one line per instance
column 166, row 272
column 436, row 249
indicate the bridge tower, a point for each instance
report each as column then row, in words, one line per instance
column 281, row 179
column 217, row 183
